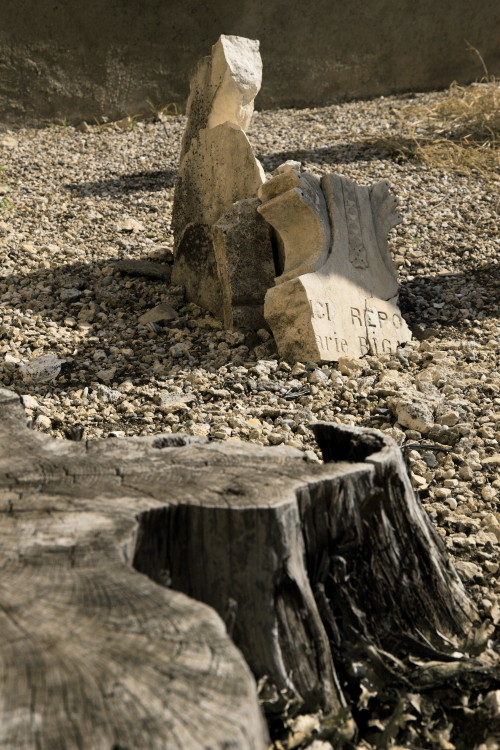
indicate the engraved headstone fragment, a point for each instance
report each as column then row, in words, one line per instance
column 294, row 205
column 346, row 302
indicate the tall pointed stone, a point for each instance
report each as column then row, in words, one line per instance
column 217, row 165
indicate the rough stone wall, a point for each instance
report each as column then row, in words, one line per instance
column 79, row 60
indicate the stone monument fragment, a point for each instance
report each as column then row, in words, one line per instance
column 217, row 165
column 322, row 242
column 342, row 300
column 244, row 257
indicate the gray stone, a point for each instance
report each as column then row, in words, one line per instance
column 144, row 268
column 468, row 570
column 172, row 402
column 42, row 369
column 159, row 313
column 244, row 257
column 416, row 415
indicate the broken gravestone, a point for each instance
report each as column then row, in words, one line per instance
column 337, row 293
column 245, row 265
column 336, row 289
column 217, row 169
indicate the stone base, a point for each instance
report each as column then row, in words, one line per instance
column 195, row 269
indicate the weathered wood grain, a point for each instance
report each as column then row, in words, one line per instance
column 310, row 567
column 94, row 655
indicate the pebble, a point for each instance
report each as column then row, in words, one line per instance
column 29, row 402
column 85, row 248
column 43, row 422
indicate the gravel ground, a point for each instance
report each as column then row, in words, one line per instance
column 75, row 201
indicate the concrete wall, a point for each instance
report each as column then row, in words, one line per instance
column 81, row 59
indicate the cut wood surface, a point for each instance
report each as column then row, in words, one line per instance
column 308, row 565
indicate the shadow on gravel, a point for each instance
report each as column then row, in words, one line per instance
column 344, row 153
column 113, row 304
column 128, row 183
column 443, row 299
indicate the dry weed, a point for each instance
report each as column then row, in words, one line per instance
column 460, row 132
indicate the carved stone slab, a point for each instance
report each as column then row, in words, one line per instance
column 346, row 304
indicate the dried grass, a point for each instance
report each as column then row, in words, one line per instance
column 460, row 132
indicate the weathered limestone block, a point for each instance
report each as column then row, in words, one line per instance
column 237, row 75
column 218, row 170
column 244, row 256
column 347, row 305
column 296, row 208
column 223, row 87
column 217, row 165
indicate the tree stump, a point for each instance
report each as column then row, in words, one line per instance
column 315, row 569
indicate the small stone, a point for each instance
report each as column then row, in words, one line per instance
column 43, row 422
column 126, row 406
column 442, row 493
column 8, row 141
column 413, row 435
column 129, row 225
column 180, row 350
column 29, row 402
column 221, row 433
column 351, row 366
column 106, row 374
column 172, row 402
column 468, row 570
column 488, row 493
column 42, row 369
column 450, row 418
column 318, row 377
column 420, row 482
column 70, row 295
column 492, row 702
column 413, row 414
column 275, row 438
column 397, row 435
column 465, row 473
column 429, row 459
column 159, row 313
